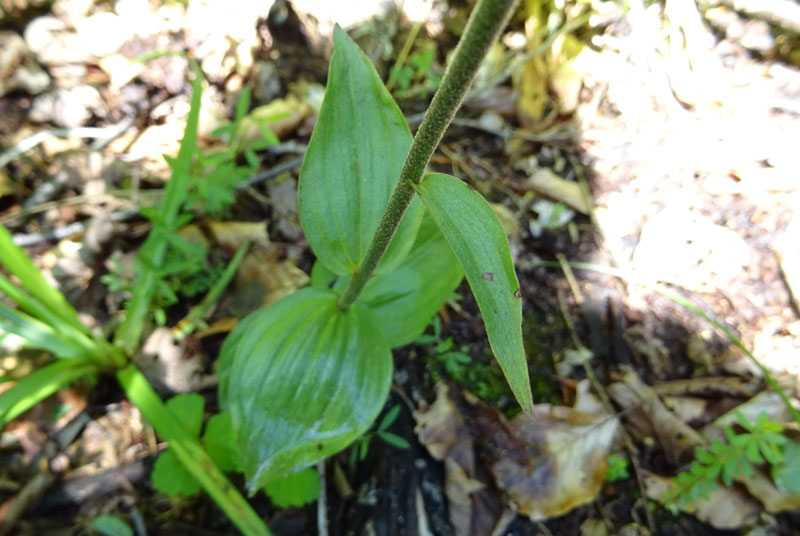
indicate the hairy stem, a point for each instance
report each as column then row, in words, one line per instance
column 483, row 28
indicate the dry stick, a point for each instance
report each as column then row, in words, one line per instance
column 322, row 503
column 483, row 28
column 403, row 56
column 102, row 134
column 598, row 386
column 73, row 229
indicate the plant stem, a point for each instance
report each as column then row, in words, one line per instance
column 193, row 457
column 483, row 28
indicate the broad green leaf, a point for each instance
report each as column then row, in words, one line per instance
column 476, row 236
column 220, row 442
column 787, row 474
column 302, row 380
column 321, row 277
column 110, row 526
column 171, row 477
column 405, row 299
column 298, row 489
column 352, row 164
column 188, row 408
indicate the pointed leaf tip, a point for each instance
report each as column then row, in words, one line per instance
column 352, row 165
column 476, row 236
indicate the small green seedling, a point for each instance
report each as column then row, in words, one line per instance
column 762, row 441
column 617, row 469
column 171, row 477
column 360, row 447
column 416, row 79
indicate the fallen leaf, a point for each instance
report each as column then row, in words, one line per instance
column 547, row 183
column 649, row 414
column 276, row 278
column 545, row 465
column 228, row 234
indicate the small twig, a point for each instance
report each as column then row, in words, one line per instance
column 599, row 388
column 26, row 498
column 101, row 134
column 403, row 56
column 322, row 503
column 270, row 173
column 54, row 235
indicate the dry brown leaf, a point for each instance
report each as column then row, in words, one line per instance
column 228, row 234
column 547, row 183
column 169, row 367
column 281, row 116
column 472, row 509
column 676, row 437
column 545, row 465
column 707, row 387
column 575, row 443
column 277, row 278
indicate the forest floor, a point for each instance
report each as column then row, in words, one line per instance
column 657, row 139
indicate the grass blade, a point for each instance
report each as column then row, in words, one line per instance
column 19, row 264
column 39, row 335
column 41, row 384
column 152, row 253
column 190, row 453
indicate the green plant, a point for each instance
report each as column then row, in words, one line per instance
column 360, row 447
column 617, row 469
column 417, row 79
column 306, row 377
column 110, row 526
column 444, row 359
column 45, row 320
column 761, row 441
column 170, row 476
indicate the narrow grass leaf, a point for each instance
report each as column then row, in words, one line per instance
column 470, row 226
column 38, row 334
column 352, row 164
column 405, row 299
column 302, row 380
column 19, row 264
column 110, row 526
column 41, row 384
column 151, row 256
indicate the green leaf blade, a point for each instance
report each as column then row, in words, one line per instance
column 171, row 477
column 219, row 439
column 188, row 409
column 470, row 226
column 298, row 489
column 405, row 299
column 302, row 380
column 352, row 165
column 110, row 526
